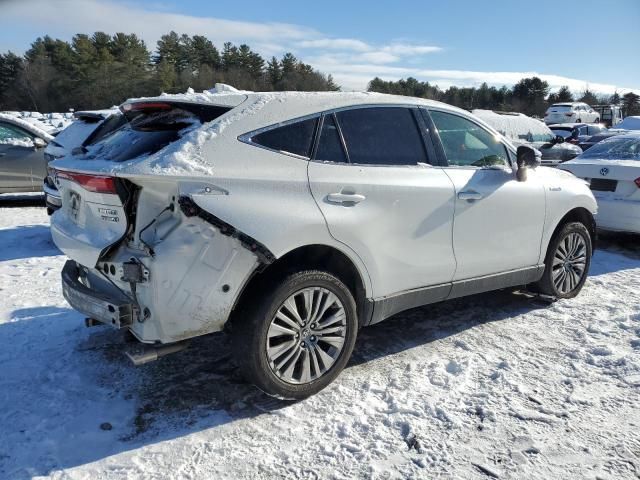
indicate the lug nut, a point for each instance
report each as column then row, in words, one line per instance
column 313, row 338
column 302, row 344
column 313, row 325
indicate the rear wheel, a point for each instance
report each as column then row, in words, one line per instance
column 295, row 340
column 567, row 262
column 597, row 120
column 579, row 120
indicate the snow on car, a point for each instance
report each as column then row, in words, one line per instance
column 293, row 219
column 612, row 167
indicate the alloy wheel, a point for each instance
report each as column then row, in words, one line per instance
column 569, row 263
column 306, row 335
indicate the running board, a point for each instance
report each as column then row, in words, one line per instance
column 142, row 353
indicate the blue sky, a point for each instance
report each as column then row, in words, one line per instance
column 459, row 42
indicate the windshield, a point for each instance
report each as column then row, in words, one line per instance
column 564, row 132
column 615, row 148
column 560, row 108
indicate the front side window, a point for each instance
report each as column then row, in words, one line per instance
column 296, row 137
column 382, row 136
column 329, row 145
column 466, row 143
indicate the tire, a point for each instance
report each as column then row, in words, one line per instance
column 597, row 120
column 579, row 120
column 573, row 243
column 266, row 347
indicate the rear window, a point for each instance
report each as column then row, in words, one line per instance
column 561, row 108
column 615, row 148
column 296, row 138
column 564, row 132
column 149, row 128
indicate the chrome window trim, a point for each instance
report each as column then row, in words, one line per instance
column 247, row 137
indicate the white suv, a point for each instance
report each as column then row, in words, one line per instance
column 575, row 112
column 292, row 219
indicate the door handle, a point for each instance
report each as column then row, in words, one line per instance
column 470, row 195
column 345, row 198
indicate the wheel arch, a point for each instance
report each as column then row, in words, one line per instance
column 309, row 257
column 577, row 214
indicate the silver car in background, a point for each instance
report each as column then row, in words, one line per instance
column 22, row 163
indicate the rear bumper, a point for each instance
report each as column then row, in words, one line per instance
column 101, row 306
column 618, row 215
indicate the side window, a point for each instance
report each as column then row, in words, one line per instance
column 382, row 136
column 468, row 144
column 293, row 138
column 329, row 145
column 11, row 132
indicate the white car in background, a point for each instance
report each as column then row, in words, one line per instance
column 612, row 167
column 571, row 112
column 87, row 127
column 293, row 219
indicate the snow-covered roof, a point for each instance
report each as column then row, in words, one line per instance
column 513, row 125
column 32, row 127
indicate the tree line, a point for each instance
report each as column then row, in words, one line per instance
column 100, row 70
column 530, row 96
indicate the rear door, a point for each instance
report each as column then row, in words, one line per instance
column 374, row 179
column 498, row 221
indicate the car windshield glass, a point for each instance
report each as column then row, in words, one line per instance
column 564, row 132
column 615, row 148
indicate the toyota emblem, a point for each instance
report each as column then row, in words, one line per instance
column 604, row 171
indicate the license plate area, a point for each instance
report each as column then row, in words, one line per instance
column 603, row 185
column 74, row 205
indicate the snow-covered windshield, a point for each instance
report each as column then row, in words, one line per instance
column 615, row 148
column 12, row 135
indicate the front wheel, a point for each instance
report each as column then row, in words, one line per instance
column 295, row 340
column 567, row 262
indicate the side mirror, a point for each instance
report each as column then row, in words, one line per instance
column 526, row 157
column 39, row 143
column 559, row 139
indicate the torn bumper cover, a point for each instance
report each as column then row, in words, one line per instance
column 103, row 307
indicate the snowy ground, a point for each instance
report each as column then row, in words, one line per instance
column 493, row 386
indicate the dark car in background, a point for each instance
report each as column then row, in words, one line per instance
column 577, row 132
column 88, row 127
column 523, row 130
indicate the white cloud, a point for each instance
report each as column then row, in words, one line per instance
column 352, row 62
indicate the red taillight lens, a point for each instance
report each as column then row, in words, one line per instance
column 92, row 183
column 637, row 182
column 145, row 106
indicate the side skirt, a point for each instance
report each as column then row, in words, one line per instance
column 385, row 307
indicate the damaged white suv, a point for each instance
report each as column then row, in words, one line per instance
column 290, row 220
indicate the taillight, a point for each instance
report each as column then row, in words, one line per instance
column 145, row 106
column 637, row 182
column 92, row 183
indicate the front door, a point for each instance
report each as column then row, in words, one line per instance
column 373, row 180
column 498, row 220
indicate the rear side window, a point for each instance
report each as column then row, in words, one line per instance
column 295, row 138
column 382, row 136
column 330, row 146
